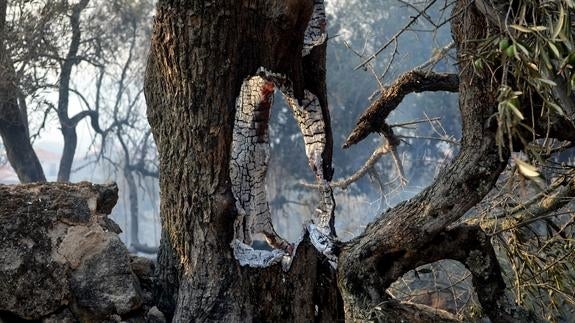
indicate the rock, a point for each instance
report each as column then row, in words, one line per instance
column 144, row 269
column 64, row 316
column 104, row 283
column 60, row 258
column 155, row 316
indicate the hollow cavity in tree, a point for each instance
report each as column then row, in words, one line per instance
column 249, row 162
column 250, row 158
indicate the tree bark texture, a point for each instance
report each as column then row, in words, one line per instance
column 201, row 53
column 13, row 127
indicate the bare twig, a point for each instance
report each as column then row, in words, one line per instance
column 396, row 36
column 381, row 150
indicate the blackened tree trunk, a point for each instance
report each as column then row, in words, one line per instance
column 13, row 126
column 201, row 53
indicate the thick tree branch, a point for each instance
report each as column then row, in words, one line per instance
column 371, row 262
column 472, row 247
column 94, row 118
column 373, row 118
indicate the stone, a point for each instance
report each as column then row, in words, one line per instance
column 155, row 316
column 61, row 259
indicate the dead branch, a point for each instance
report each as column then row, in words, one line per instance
column 373, row 119
column 389, row 145
column 381, row 150
column 397, row 35
column 437, row 56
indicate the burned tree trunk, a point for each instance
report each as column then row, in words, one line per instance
column 195, row 71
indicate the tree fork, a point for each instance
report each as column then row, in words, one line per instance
column 372, row 261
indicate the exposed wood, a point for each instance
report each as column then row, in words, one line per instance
column 194, row 74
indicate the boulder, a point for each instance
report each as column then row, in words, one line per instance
column 60, row 256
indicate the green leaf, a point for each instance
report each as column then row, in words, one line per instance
column 503, row 44
column 510, row 51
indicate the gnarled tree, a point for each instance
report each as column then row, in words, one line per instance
column 202, row 55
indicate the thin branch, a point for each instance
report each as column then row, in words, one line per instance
column 381, row 150
column 396, row 36
column 409, row 123
column 437, row 56
column 447, row 140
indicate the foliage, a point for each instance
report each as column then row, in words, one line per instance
column 533, row 58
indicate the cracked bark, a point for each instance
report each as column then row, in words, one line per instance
column 194, row 75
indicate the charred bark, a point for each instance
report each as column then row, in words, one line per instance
column 194, row 75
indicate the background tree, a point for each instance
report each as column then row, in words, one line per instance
column 54, row 46
column 13, row 122
column 127, row 143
